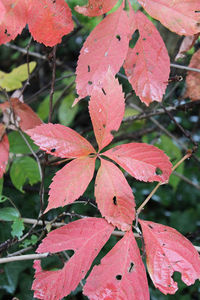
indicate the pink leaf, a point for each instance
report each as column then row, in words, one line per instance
column 86, row 237
column 60, row 141
column 4, row 150
column 96, row 7
column 105, row 47
column 25, row 117
column 2, row 10
column 180, row 16
column 142, row 161
column 168, row 251
column 13, row 19
column 121, row 274
column 114, row 196
column 147, row 65
column 49, row 21
column 71, row 182
column 106, row 109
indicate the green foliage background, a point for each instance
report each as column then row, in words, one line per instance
column 176, row 204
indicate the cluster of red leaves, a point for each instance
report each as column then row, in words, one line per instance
column 121, row 274
column 146, row 65
column 17, row 114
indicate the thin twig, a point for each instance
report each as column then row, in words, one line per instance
column 161, row 183
column 23, row 257
column 32, row 151
column 184, row 68
column 182, row 177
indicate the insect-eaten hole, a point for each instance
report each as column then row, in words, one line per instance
column 119, row 277
column 150, row 226
column 118, row 37
column 53, row 150
column 159, row 171
column 134, row 39
column 114, row 200
column 131, row 267
column 103, row 91
column 88, row 68
column 90, row 82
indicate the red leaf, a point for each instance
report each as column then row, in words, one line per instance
column 121, row 274
column 147, row 65
column 105, row 47
column 60, row 141
column 106, row 109
column 49, row 21
column 4, row 150
column 96, row 8
column 168, row 251
column 114, row 196
column 70, row 182
column 86, row 237
column 25, row 117
column 142, row 161
column 13, row 20
column 179, row 16
column 193, row 79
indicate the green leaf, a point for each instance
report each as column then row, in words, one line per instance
column 18, row 145
column 67, row 113
column 174, row 153
column 3, row 198
column 27, row 242
column 1, row 185
column 17, row 227
column 43, row 109
column 8, row 214
column 24, row 169
column 13, row 80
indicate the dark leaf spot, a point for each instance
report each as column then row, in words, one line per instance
column 103, row 91
column 53, row 150
column 131, row 267
column 104, row 126
column 144, row 39
column 118, row 37
column 90, row 82
column 88, row 68
column 119, row 277
column 114, row 200
column 150, row 226
column 137, row 53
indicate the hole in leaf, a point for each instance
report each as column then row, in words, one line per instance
column 103, row 91
column 114, row 200
column 134, row 39
column 119, row 277
column 131, row 267
column 118, row 37
column 159, row 171
column 90, row 82
column 144, row 39
column 104, row 126
column 137, row 53
column 53, row 150
column 88, row 68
